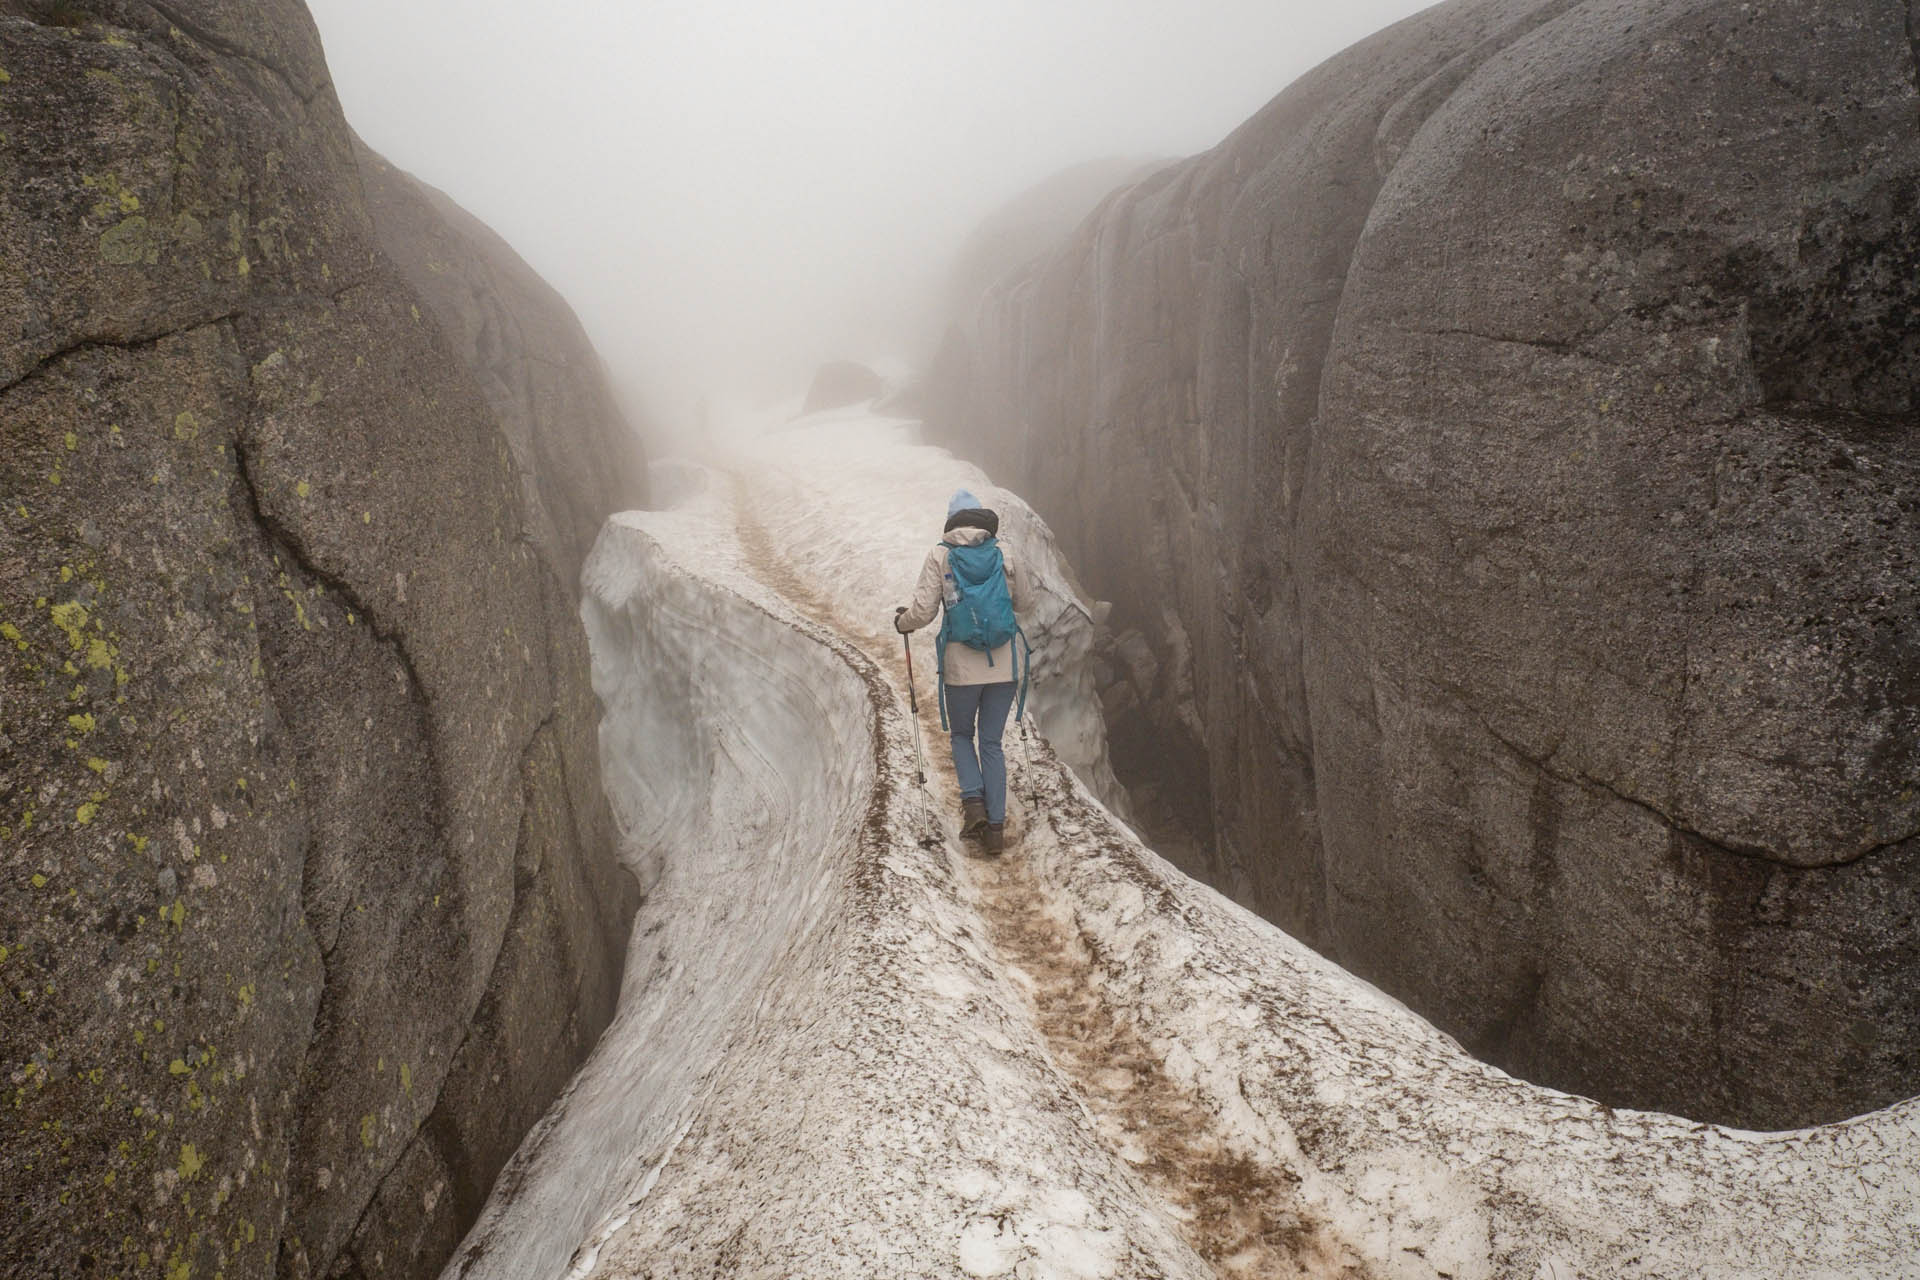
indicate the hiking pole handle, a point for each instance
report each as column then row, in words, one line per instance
column 913, row 696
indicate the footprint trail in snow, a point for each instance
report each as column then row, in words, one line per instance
column 1242, row 1217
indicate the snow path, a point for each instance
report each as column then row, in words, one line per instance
column 844, row 1049
column 818, row 1068
column 1239, row 1216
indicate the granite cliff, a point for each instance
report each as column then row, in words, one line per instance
column 309, row 901
column 1033, row 223
column 539, row 372
column 1501, row 455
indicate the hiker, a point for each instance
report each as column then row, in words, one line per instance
column 970, row 579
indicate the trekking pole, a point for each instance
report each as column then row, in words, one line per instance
column 913, row 701
column 1026, row 748
column 1026, row 756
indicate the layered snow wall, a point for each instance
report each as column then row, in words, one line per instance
column 824, row 1067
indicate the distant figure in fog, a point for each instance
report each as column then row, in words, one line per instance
column 976, row 588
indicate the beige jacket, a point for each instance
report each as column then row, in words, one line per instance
column 964, row 665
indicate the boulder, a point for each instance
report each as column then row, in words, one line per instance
column 840, row 383
column 308, row 892
column 1504, row 442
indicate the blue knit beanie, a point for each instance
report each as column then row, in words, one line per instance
column 962, row 501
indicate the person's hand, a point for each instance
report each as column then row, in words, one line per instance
column 896, row 620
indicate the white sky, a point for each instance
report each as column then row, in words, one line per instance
column 729, row 191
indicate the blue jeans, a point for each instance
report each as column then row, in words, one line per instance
column 983, row 774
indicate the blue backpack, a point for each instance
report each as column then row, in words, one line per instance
column 978, row 612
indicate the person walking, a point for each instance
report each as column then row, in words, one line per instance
column 977, row 589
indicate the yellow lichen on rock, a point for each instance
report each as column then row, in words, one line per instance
column 128, row 243
column 71, row 618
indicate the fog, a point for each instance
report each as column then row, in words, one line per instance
column 729, row 191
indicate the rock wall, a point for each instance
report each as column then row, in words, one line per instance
column 308, row 896
column 1032, row 224
column 577, row 457
column 1501, row 455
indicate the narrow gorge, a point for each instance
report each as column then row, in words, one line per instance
column 1466, row 819
column 845, row 1048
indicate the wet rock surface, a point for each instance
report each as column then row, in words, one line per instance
column 308, row 896
column 1500, row 455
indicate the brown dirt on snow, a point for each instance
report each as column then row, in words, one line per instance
column 1242, row 1217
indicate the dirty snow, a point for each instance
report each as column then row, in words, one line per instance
column 846, row 1049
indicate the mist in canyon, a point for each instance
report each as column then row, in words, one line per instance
column 1462, row 824
column 730, row 193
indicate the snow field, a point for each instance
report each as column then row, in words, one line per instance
column 1427, row 1161
column 730, row 834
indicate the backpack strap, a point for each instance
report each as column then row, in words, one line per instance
column 1013, row 655
column 940, row 670
column 940, row 645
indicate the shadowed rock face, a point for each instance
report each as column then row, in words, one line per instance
column 577, row 457
column 308, row 897
column 1032, row 224
column 1504, row 448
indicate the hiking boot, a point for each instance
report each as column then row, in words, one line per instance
column 996, row 837
column 973, row 815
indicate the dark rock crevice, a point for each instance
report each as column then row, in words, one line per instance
column 262, row 557
column 376, row 811
column 1553, row 346
column 45, row 13
column 438, row 1135
column 287, row 541
column 392, row 1236
column 501, row 1064
column 1759, row 853
column 98, row 342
